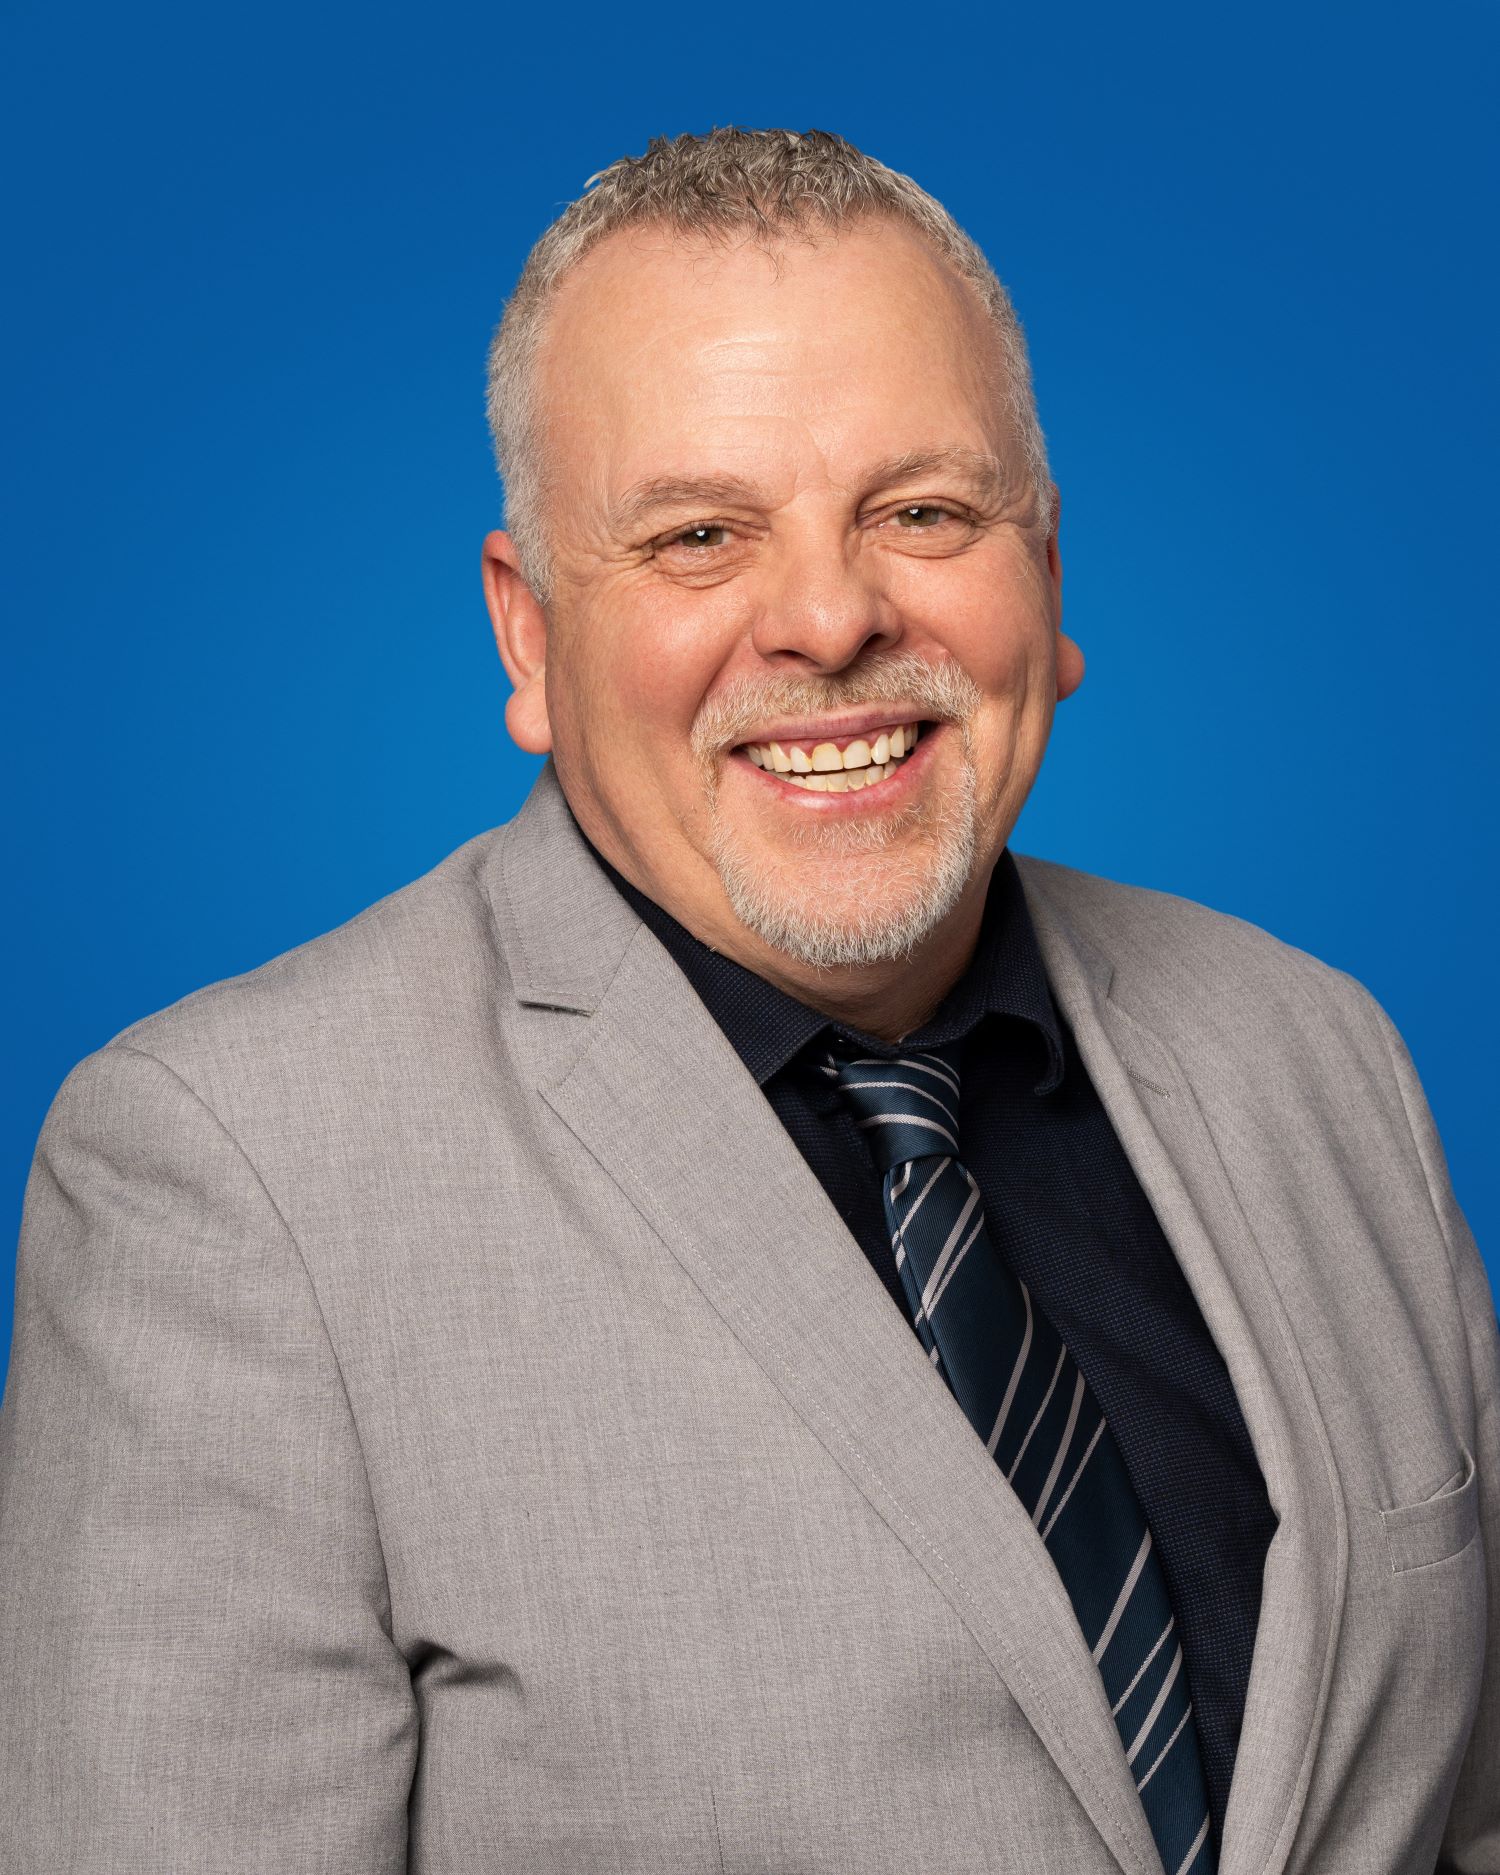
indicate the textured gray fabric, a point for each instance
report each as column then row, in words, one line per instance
column 449, row 1430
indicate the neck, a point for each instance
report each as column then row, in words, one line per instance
column 887, row 1000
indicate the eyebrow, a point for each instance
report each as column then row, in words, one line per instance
column 984, row 473
column 663, row 491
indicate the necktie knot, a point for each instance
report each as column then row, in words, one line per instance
column 907, row 1107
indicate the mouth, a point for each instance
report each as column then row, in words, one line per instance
column 837, row 764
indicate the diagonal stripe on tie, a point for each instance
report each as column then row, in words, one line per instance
column 1026, row 1397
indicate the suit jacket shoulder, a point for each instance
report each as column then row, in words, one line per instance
column 1231, row 999
column 1153, row 934
column 417, row 971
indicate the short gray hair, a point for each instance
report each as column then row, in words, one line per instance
column 765, row 184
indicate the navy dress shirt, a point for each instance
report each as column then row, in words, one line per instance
column 1063, row 1205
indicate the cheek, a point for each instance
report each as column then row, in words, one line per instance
column 993, row 604
column 999, row 634
column 640, row 667
column 995, row 620
column 667, row 672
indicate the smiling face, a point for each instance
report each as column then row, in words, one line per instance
column 799, row 661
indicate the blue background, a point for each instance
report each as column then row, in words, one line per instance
column 259, row 254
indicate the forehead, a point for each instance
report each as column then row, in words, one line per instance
column 666, row 356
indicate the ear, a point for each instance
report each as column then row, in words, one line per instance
column 520, row 627
column 1069, row 656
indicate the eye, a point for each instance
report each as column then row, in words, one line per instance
column 695, row 539
column 920, row 514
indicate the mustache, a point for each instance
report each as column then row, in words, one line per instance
column 935, row 691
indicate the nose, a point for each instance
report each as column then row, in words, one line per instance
column 826, row 610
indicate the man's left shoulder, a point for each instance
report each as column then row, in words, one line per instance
column 1191, row 968
column 1302, row 1077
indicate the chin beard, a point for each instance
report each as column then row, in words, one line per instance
column 860, row 893
column 871, row 893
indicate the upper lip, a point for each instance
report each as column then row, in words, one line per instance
column 835, row 728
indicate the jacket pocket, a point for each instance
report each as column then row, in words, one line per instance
column 1418, row 1535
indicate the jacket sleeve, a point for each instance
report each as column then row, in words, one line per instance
column 1471, row 1842
column 198, row 1669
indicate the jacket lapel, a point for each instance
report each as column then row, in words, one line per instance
column 659, row 1098
column 1160, row 1123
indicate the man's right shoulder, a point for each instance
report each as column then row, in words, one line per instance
column 418, row 966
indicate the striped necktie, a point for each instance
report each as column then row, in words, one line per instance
column 1026, row 1398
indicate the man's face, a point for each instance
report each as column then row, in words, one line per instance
column 792, row 536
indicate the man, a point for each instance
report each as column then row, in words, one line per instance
column 736, row 1325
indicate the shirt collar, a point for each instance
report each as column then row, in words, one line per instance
column 767, row 1028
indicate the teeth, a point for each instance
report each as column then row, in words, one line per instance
column 846, row 780
column 826, row 758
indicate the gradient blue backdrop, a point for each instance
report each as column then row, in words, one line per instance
column 258, row 253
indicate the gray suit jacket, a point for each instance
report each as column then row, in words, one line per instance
column 450, row 1430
